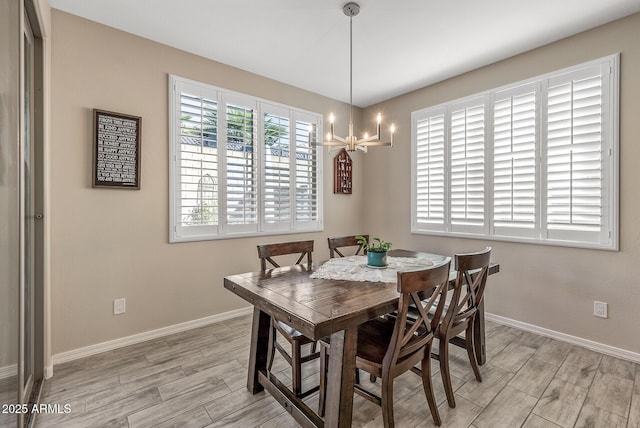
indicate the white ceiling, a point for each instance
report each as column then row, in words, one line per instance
column 399, row 45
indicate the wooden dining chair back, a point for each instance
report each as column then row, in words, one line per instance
column 297, row 340
column 472, row 270
column 389, row 347
column 335, row 245
column 266, row 252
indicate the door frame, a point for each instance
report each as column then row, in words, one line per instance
column 32, row 27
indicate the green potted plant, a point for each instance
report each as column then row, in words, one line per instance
column 376, row 250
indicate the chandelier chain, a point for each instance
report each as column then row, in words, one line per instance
column 351, row 69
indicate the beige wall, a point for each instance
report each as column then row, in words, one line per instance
column 550, row 287
column 107, row 244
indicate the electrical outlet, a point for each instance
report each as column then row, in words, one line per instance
column 600, row 309
column 119, row 306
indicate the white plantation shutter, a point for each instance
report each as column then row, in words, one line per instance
column 514, row 162
column 240, row 166
column 290, row 185
column 574, row 191
column 306, row 172
column 429, row 170
column 196, row 157
column 467, row 132
column 277, row 170
column 536, row 161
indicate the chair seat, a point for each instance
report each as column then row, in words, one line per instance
column 373, row 339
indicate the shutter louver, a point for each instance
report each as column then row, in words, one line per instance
column 198, row 153
column 430, row 170
column 514, row 165
column 574, row 154
column 242, row 205
column 467, row 167
column 277, row 169
column 306, row 170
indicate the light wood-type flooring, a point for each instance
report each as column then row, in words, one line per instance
column 198, row 379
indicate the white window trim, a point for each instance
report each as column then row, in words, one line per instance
column 610, row 132
column 221, row 230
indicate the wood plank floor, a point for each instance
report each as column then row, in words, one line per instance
column 197, row 379
column 8, row 394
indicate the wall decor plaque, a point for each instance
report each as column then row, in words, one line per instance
column 116, row 150
column 342, row 173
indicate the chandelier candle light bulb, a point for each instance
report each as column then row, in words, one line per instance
column 331, row 120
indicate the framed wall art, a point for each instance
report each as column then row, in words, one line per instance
column 116, row 149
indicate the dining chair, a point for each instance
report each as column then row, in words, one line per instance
column 389, row 347
column 266, row 252
column 335, row 244
column 461, row 313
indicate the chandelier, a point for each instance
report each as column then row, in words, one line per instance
column 351, row 142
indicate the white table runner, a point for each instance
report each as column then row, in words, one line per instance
column 354, row 268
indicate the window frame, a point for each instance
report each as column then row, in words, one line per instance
column 608, row 236
column 178, row 232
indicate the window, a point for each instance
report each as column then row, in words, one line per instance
column 536, row 161
column 240, row 166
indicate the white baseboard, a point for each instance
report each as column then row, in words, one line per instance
column 87, row 351
column 574, row 340
column 177, row 328
column 8, row 371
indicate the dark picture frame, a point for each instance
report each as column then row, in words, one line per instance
column 116, row 150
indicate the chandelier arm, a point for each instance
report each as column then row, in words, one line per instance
column 371, row 138
column 331, row 143
column 340, row 139
column 374, row 143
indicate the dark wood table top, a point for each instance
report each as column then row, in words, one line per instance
column 319, row 307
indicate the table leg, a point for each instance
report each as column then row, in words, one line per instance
column 342, row 365
column 259, row 349
column 479, row 339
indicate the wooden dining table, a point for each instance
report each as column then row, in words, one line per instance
column 320, row 308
